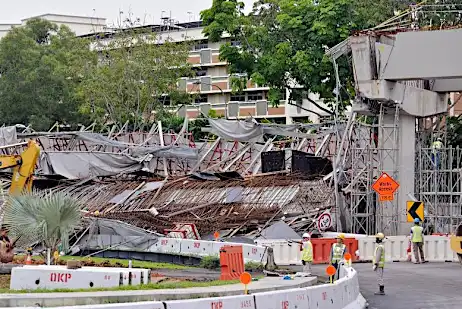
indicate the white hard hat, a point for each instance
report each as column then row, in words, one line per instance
column 306, row 235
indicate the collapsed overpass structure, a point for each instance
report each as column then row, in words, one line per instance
column 402, row 82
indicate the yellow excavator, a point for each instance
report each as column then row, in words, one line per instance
column 23, row 172
column 23, row 167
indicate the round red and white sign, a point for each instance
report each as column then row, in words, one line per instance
column 324, row 221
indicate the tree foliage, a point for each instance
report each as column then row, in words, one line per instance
column 39, row 68
column 283, row 42
column 131, row 74
column 454, row 131
column 48, row 218
column 49, row 75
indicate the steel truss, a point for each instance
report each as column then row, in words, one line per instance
column 215, row 154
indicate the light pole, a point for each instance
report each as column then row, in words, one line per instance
column 222, row 93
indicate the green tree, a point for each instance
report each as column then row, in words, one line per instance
column 283, row 42
column 39, row 68
column 133, row 75
column 47, row 218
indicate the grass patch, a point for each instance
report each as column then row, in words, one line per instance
column 210, row 262
column 124, row 263
column 151, row 286
column 105, row 262
column 254, row 266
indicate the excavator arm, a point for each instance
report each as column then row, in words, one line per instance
column 23, row 167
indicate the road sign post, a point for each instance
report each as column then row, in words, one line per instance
column 330, row 271
column 415, row 210
column 385, row 186
column 245, row 279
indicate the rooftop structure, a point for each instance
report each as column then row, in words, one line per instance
column 81, row 25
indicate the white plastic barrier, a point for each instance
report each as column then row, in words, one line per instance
column 32, row 278
column 285, row 253
column 229, row 302
column 436, row 248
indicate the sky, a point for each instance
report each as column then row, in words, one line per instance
column 148, row 10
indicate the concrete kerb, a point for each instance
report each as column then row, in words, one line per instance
column 105, row 297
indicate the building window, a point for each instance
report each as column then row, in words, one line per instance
column 202, row 98
column 254, row 96
column 200, row 45
column 200, row 72
column 235, row 43
column 237, row 97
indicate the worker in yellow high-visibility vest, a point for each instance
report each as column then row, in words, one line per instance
column 337, row 252
column 378, row 262
column 417, row 240
column 307, row 253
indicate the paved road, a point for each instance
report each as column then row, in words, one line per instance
column 410, row 286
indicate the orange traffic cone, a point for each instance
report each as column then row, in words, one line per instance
column 29, row 259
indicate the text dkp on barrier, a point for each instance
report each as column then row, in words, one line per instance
column 60, row 277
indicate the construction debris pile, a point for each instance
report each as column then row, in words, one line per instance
column 244, row 206
column 229, row 183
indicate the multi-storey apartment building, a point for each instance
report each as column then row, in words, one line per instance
column 212, row 83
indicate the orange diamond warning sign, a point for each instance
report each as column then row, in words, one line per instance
column 385, row 186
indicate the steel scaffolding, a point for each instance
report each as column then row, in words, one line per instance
column 362, row 153
column 438, row 178
column 372, row 149
column 387, row 219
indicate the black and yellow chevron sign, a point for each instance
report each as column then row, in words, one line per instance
column 415, row 210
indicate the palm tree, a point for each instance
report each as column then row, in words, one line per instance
column 42, row 217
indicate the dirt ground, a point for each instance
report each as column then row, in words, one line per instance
column 5, row 281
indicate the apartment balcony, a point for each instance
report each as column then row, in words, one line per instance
column 235, row 110
column 205, row 57
column 213, row 85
